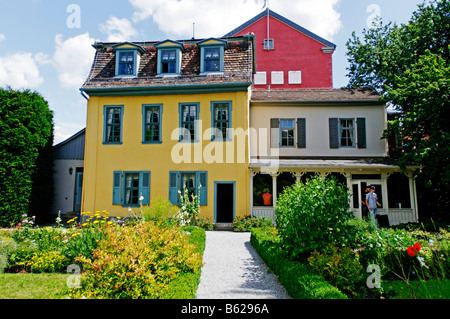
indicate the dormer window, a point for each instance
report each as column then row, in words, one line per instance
column 169, row 57
column 211, row 55
column 212, row 59
column 126, row 63
column 127, row 59
column 168, row 61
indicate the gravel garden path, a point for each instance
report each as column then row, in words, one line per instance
column 232, row 269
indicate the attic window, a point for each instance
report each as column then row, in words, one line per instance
column 169, row 61
column 268, row 44
column 126, row 63
column 127, row 59
column 212, row 55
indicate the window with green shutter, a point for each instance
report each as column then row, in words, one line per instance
column 179, row 181
column 131, row 189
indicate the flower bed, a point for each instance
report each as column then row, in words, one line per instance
column 136, row 260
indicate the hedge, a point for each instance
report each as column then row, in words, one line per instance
column 26, row 156
column 300, row 281
column 186, row 284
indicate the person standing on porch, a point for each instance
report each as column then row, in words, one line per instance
column 372, row 204
column 365, row 210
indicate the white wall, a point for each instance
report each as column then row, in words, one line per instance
column 317, row 131
column 64, row 185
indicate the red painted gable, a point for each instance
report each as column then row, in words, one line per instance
column 293, row 51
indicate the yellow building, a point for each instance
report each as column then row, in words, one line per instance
column 166, row 116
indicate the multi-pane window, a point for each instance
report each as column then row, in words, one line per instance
column 268, row 44
column 191, row 181
column 212, row 59
column 152, row 124
column 113, row 124
column 126, row 63
column 188, row 121
column 287, row 128
column 347, row 132
column 221, row 120
column 131, row 189
column 169, row 61
column 188, row 182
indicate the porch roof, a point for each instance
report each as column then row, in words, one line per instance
column 367, row 163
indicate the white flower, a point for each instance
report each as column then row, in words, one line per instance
column 141, row 198
column 422, row 262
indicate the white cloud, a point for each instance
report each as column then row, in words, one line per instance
column 218, row 17
column 20, row 71
column 73, row 59
column 118, row 29
column 2, row 37
column 63, row 130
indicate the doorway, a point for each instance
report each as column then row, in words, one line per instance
column 78, row 189
column 224, row 201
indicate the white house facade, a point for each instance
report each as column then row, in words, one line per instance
column 330, row 132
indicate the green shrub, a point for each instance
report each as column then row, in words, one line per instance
column 300, row 281
column 205, row 223
column 245, row 224
column 137, row 262
column 26, row 138
column 184, row 286
column 313, row 215
column 7, row 246
column 159, row 209
column 340, row 267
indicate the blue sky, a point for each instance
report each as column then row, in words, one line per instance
column 45, row 45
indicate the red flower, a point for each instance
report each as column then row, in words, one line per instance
column 410, row 251
column 416, row 247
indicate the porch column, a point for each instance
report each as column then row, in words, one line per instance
column 274, row 187
column 413, row 196
column 252, row 174
column 384, row 192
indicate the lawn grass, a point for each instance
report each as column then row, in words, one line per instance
column 430, row 289
column 32, row 286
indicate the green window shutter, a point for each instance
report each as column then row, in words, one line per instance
column 274, row 133
column 334, row 132
column 301, row 133
column 173, row 188
column 144, row 187
column 361, row 131
column 202, row 179
column 117, row 188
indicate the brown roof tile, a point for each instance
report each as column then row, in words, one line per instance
column 238, row 66
column 316, row 95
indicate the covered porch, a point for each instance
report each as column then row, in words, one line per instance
column 396, row 190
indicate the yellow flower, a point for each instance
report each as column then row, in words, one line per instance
column 118, row 217
column 110, row 223
column 96, row 221
column 85, row 224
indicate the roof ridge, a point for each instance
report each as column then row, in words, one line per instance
column 285, row 21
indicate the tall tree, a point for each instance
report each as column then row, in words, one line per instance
column 26, row 137
column 409, row 65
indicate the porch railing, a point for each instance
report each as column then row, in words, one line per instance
column 264, row 211
column 396, row 216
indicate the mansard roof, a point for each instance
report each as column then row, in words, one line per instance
column 239, row 65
